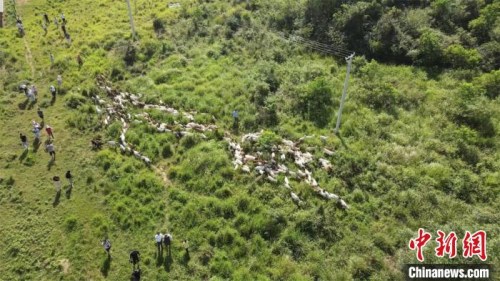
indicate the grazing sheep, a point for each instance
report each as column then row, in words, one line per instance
column 343, row 204
column 245, row 169
column 271, row 179
column 328, row 152
column 295, row 198
column 287, row 183
column 146, row 160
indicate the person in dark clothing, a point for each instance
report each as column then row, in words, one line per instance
column 69, row 177
column 40, row 113
column 134, row 258
column 167, row 240
column 24, row 140
column 53, row 91
column 107, row 246
column 46, row 18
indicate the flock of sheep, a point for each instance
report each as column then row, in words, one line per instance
column 265, row 165
column 270, row 166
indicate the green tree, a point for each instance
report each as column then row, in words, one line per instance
column 429, row 50
column 459, row 57
column 316, row 102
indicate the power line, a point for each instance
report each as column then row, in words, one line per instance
column 317, row 46
column 332, row 50
column 321, row 45
column 325, row 49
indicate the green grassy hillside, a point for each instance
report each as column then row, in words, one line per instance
column 418, row 146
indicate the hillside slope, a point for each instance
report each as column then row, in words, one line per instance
column 418, row 147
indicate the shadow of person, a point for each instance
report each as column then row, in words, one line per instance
column 68, row 192
column 42, row 124
column 31, row 104
column 236, row 126
column 36, row 145
column 50, row 164
column 23, row 155
column 56, row 199
column 168, row 263
column 186, row 258
column 23, row 105
column 159, row 259
column 53, row 100
column 106, row 265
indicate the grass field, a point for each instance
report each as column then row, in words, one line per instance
column 418, row 149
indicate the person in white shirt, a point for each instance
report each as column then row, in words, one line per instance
column 57, row 183
column 159, row 239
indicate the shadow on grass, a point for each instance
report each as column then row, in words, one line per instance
column 23, row 105
column 186, row 258
column 159, row 258
column 236, row 127
column 168, row 262
column 106, row 265
column 23, row 156
column 68, row 192
column 31, row 104
column 53, row 100
column 56, row 199
column 36, row 145
column 342, row 141
column 50, row 164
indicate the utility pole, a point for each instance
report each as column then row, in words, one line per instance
column 131, row 19
column 344, row 92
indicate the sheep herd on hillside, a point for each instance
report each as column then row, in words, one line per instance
column 265, row 166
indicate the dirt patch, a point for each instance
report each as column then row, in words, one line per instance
column 64, row 265
column 22, row 2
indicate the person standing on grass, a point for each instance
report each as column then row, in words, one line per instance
column 57, row 183
column 35, row 124
column 69, row 176
column 20, row 28
column 158, row 239
column 36, row 132
column 63, row 18
column 51, row 150
column 31, row 95
column 167, row 240
column 52, row 91
column 134, row 258
column 48, row 129
column 24, row 140
column 51, row 56
column 56, row 22
column 107, row 246
column 34, row 90
column 59, row 80
column 40, row 113
column 68, row 38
